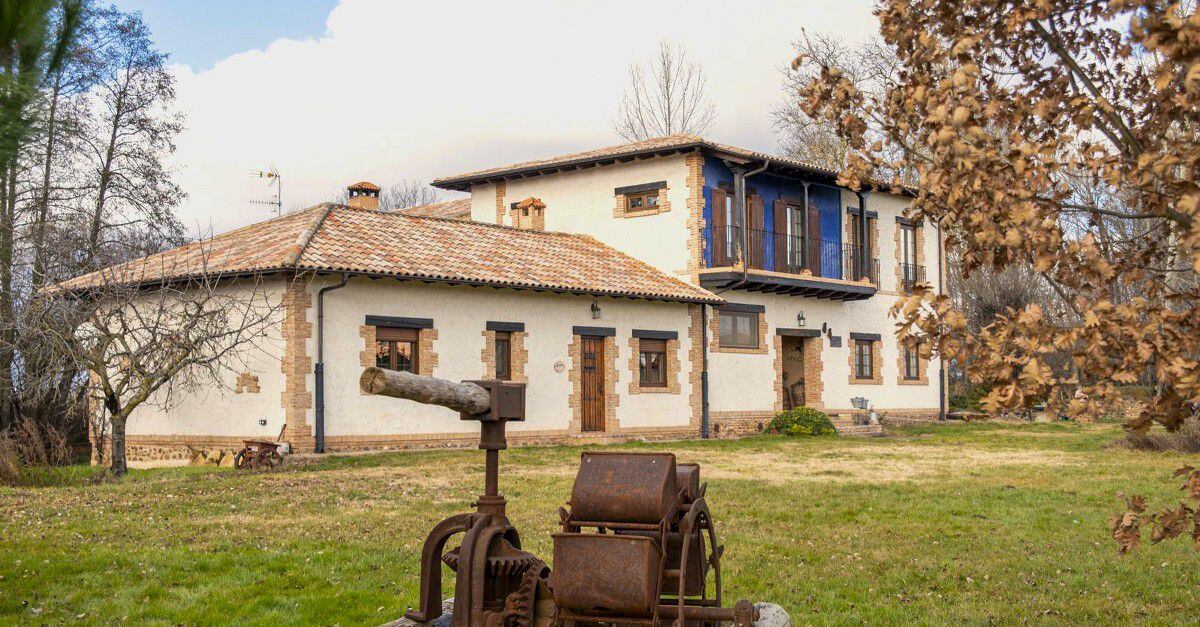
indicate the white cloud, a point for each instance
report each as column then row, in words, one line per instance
column 421, row 89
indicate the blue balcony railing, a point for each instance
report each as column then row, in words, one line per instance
column 780, row 252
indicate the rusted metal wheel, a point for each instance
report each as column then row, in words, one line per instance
column 242, row 460
column 267, row 459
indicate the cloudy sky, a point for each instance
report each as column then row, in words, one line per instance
column 335, row 92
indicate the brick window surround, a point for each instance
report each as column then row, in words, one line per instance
column 671, row 338
column 518, row 357
column 622, row 196
column 851, row 234
column 715, row 329
column 918, row 243
column 922, row 367
column 426, row 335
column 876, row 361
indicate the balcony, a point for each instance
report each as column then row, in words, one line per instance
column 910, row 275
column 778, row 262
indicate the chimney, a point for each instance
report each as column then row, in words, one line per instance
column 363, row 195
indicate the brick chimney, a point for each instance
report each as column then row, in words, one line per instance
column 363, row 195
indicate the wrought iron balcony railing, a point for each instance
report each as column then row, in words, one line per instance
column 790, row 254
column 910, row 275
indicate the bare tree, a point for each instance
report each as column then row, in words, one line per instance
column 132, row 131
column 151, row 342
column 665, row 97
column 407, row 193
column 815, row 140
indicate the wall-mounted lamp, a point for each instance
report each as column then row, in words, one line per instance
column 595, row 310
column 800, row 321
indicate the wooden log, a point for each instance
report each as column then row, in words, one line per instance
column 461, row 397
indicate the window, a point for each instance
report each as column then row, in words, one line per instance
column 738, row 329
column 396, row 349
column 641, row 201
column 912, row 365
column 503, row 346
column 652, row 363
column 864, row 359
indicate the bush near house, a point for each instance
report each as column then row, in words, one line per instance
column 802, row 421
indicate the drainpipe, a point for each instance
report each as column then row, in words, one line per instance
column 704, row 371
column 941, row 359
column 319, row 368
column 804, row 243
column 739, row 208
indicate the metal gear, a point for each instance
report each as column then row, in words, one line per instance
column 520, row 608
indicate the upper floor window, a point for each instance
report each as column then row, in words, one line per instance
column 396, row 349
column 641, row 199
column 738, row 329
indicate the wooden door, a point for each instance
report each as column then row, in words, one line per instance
column 591, row 382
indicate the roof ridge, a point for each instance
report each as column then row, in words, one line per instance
column 492, row 226
column 306, row 236
column 645, row 264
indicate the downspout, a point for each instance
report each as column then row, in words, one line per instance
column 704, row 371
column 804, row 243
column 739, row 202
column 941, row 359
column 864, row 238
column 319, row 368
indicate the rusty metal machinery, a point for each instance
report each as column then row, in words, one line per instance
column 489, row 563
column 638, row 544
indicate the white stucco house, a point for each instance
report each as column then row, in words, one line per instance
column 667, row 288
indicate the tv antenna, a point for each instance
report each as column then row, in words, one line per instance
column 274, row 179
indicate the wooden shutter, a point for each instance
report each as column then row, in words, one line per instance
column 755, row 238
column 720, row 255
column 781, row 236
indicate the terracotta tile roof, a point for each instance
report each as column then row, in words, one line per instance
column 458, row 209
column 657, row 144
column 265, row 246
column 365, row 185
column 336, row 238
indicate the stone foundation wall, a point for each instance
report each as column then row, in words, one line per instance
column 737, row 424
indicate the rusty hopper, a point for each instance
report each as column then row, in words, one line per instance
column 654, row 564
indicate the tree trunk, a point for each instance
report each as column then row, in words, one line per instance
column 461, row 397
column 43, row 216
column 117, row 450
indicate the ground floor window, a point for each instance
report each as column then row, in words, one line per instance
column 652, row 363
column 738, row 329
column 912, row 366
column 864, row 359
column 396, row 349
column 503, row 346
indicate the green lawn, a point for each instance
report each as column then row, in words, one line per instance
column 969, row 523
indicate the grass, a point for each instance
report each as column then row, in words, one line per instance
column 975, row 523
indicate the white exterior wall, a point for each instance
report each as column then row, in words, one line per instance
column 582, row 202
column 460, row 315
column 743, row 382
column 215, row 409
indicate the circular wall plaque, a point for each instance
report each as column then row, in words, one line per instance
column 559, row 366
